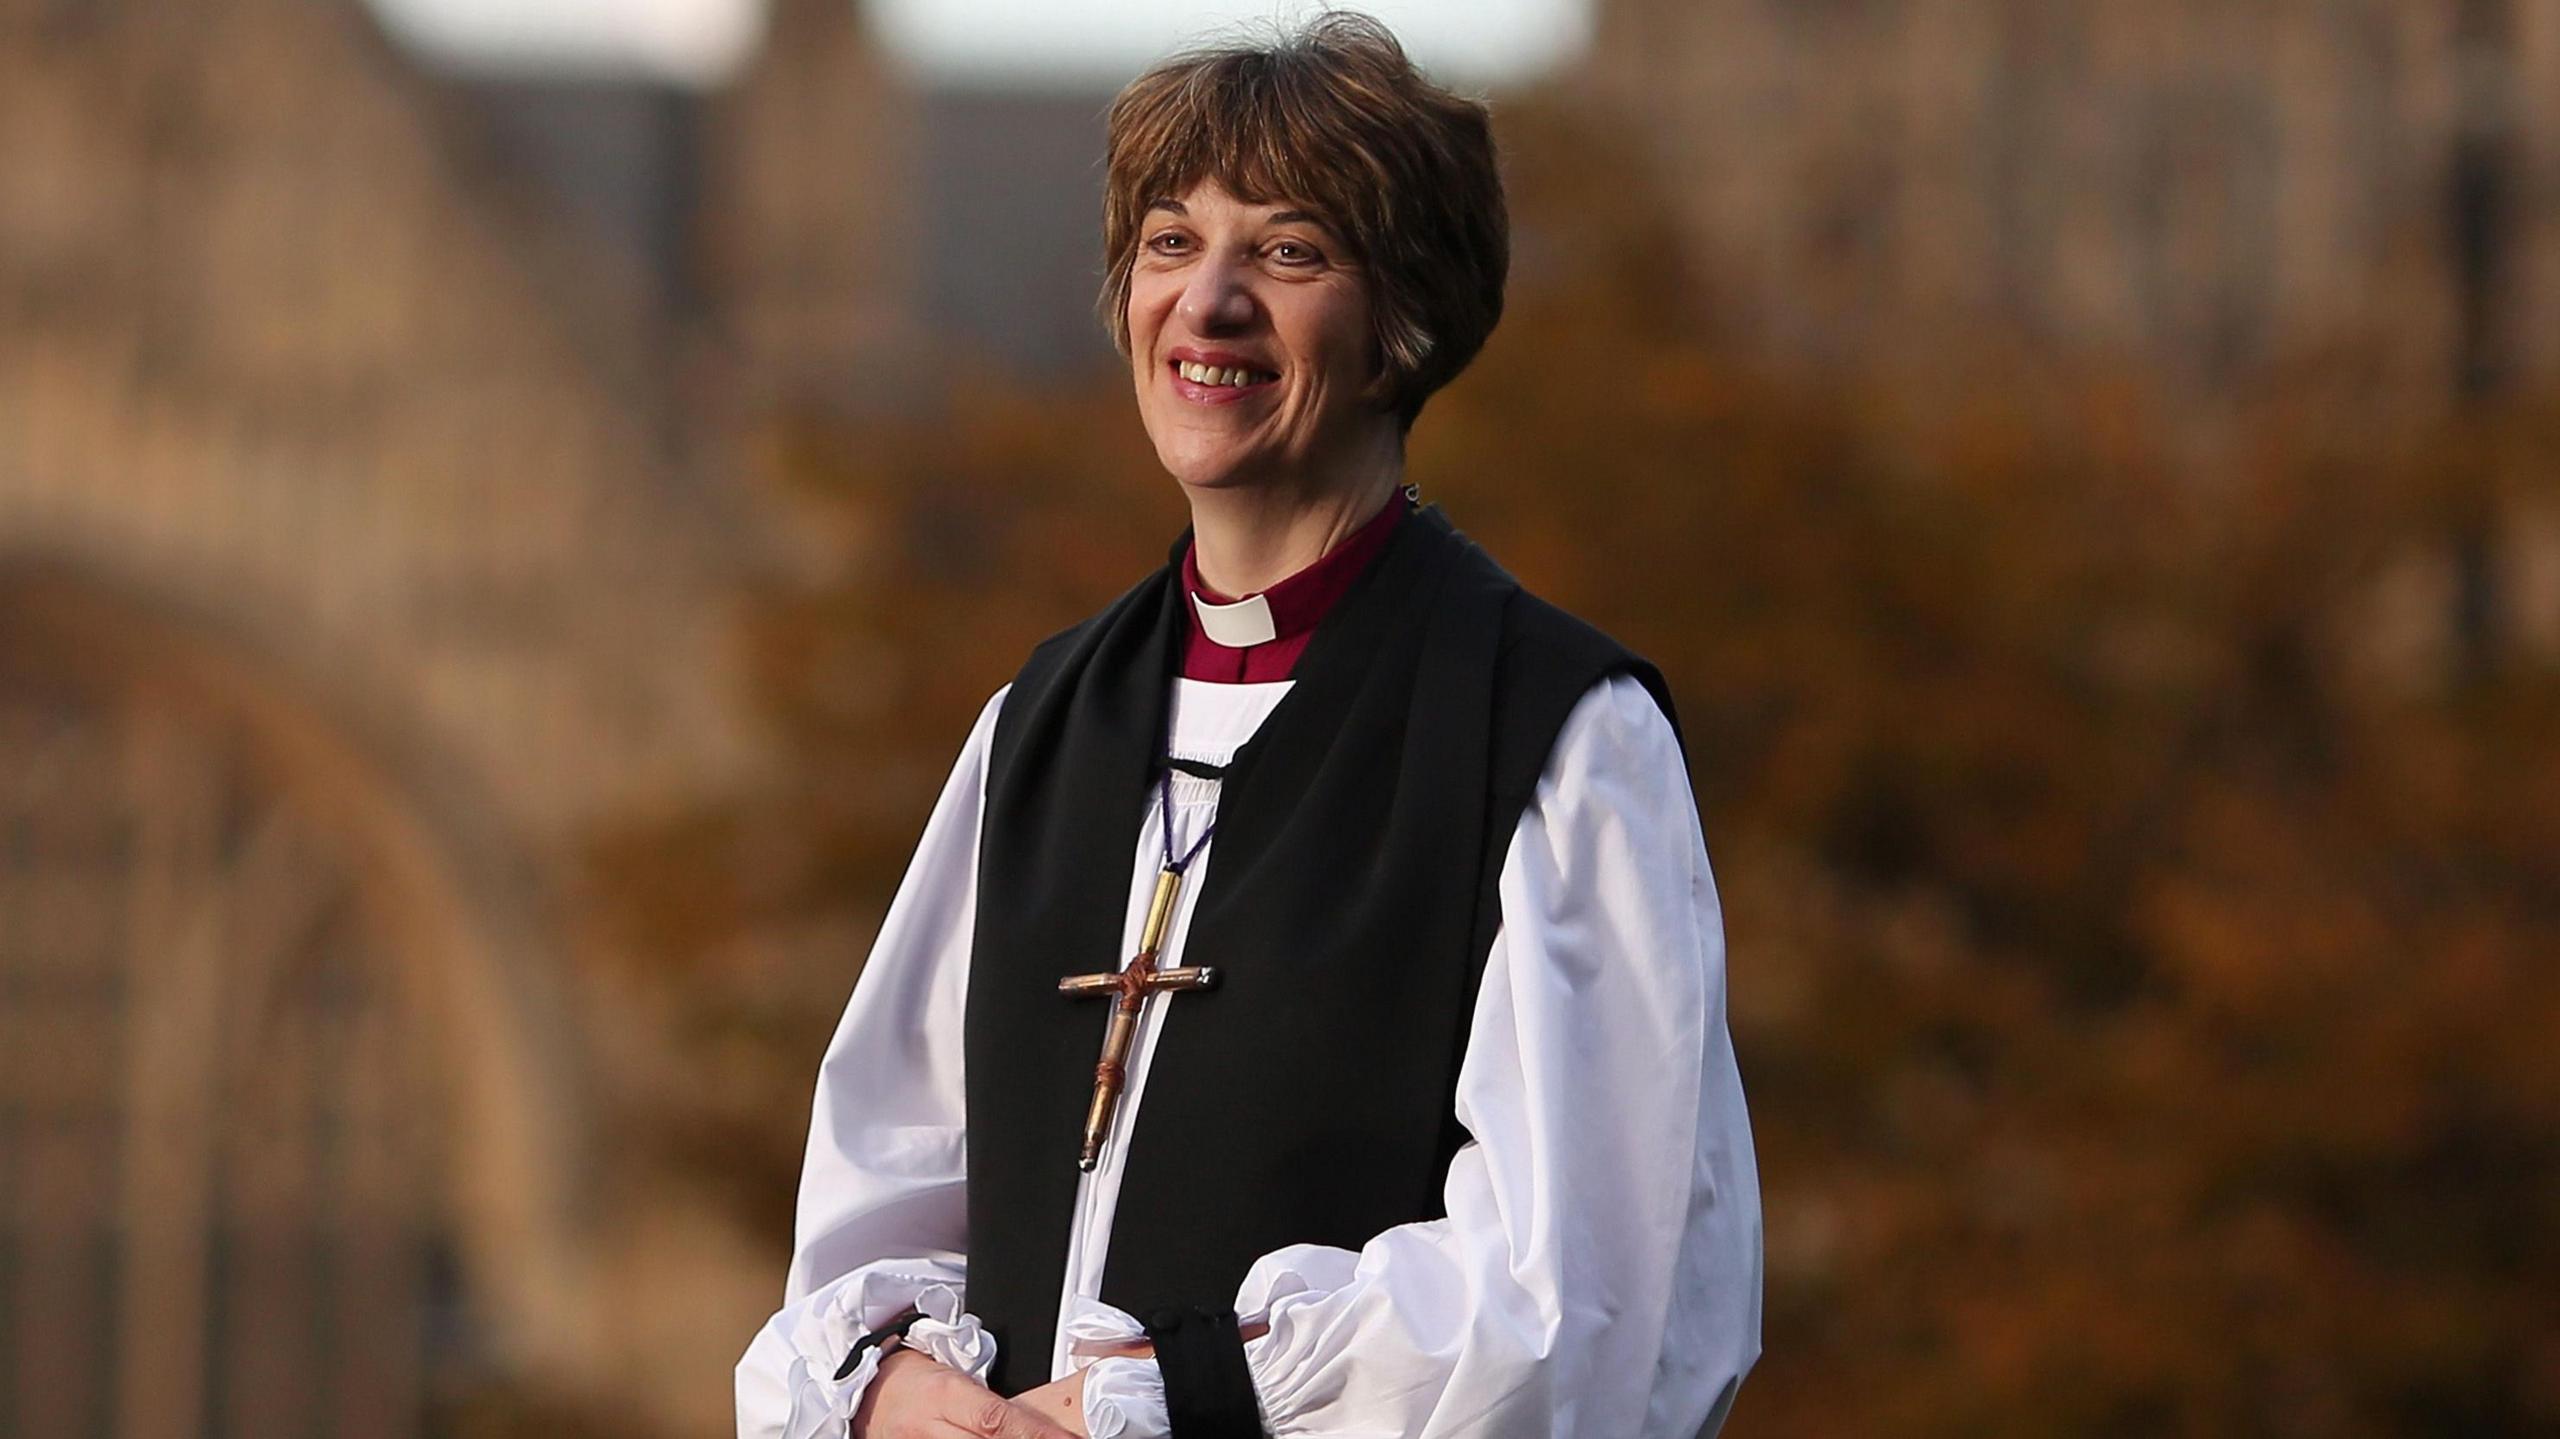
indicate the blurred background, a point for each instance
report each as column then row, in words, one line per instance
column 508, row 507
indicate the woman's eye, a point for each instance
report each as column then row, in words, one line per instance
column 1294, row 252
column 1170, row 242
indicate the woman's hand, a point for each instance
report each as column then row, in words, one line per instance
column 912, row 1397
column 1060, row 1401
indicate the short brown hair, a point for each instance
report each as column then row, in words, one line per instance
column 1333, row 117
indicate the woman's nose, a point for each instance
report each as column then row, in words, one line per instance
column 1217, row 299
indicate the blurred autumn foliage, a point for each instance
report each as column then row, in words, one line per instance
column 2142, row 920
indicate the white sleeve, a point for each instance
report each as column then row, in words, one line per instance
column 1598, row 1273
column 883, row 1213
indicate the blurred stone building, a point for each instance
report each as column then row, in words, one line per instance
column 2198, row 188
column 2211, row 199
column 370, row 511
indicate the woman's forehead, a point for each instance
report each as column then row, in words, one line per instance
column 1210, row 193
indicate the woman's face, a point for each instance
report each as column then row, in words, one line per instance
column 1249, row 341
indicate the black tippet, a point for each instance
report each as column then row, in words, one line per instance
column 1349, row 906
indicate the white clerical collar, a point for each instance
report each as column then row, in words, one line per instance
column 1238, row 626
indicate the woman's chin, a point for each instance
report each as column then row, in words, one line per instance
column 1225, row 470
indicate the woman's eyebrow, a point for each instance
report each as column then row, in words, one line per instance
column 1276, row 217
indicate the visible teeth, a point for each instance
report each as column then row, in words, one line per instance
column 1215, row 374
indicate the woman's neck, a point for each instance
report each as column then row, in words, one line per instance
column 1250, row 537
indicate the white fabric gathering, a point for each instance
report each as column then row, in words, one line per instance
column 1598, row 1272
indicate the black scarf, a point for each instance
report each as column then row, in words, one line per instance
column 1349, row 907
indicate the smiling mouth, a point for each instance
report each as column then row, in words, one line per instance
column 1223, row 378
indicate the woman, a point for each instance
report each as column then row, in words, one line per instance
column 1441, row 1132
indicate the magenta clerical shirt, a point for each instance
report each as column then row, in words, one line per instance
column 1297, row 604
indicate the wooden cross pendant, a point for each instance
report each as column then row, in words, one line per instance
column 1129, row 989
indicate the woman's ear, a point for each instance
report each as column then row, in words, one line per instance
column 1388, row 380
column 1384, row 380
